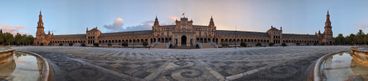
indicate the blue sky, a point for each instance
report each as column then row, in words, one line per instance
column 74, row 16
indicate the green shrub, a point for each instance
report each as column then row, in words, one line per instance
column 271, row 44
column 243, row 44
column 258, row 44
column 145, row 44
column 283, row 44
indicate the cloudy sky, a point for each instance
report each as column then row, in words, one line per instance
column 74, row 16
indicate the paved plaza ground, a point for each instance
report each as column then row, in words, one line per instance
column 214, row 64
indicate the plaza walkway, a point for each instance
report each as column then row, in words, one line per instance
column 140, row 64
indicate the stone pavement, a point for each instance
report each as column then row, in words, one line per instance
column 140, row 64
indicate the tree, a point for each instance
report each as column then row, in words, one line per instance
column 26, row 40
column 171, row 46
column 29, row 40
column 109, row 44
column 271, row 44
column 359, row 38
column 83, row 45
column 351, row 39
column 225, row 45
column 2, row 39
column 243, row 44
column 96, row 45
column 145, row 44
column 9, row 39
column 124, row 44
column 283, row 44
column 17, row 39
column 23, row 39
column 258, row 44
column 340, row 40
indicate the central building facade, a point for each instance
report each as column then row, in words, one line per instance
column 184, row 35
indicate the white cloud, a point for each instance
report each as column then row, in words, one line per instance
column 362, row 26
column 173, row 18
column 116, row 26
column 11, row 28
column 147, row 25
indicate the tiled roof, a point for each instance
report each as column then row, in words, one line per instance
column 70, row 36
column 175, row 26
column 142, row 32
column 168, row 26
column 243, row 33
column 298, row 36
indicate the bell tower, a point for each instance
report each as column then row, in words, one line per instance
column 212, row 24
column 156, row 27
column 328, row 27
column 212, row 28
column 327, row 34
column 156, row 23
column 42, row 38
column 40, row 28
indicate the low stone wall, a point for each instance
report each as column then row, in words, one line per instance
column 7, row 60
column 317, row 75
column 6, row 55
column 360, row 55
column 7, row 63
column 46, row 68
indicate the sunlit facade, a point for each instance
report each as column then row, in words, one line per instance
column 183, row 34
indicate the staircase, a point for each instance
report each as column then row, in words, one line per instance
column 160, row 45
column 208, row 45
column 201, row 45
column 214, row 45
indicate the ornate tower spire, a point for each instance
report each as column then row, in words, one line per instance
column 327, row 34
column 212, row 24
column 328, row 22
column 40, row 28
column 156, row 23
column 40, row 21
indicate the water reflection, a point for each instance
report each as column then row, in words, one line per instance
column 343, row 67
column 7, row 66
column 22, row 67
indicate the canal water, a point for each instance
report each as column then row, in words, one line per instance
column 341, row 67
column 23, row 67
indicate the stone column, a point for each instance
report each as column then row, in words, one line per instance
column 179, row 40
column 172, row 40
column 219, row 41
column 194, row 40
column 188, row 40
column 149, row 41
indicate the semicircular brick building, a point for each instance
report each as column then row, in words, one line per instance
column 183, row 34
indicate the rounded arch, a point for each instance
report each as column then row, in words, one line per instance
column 183, row 40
